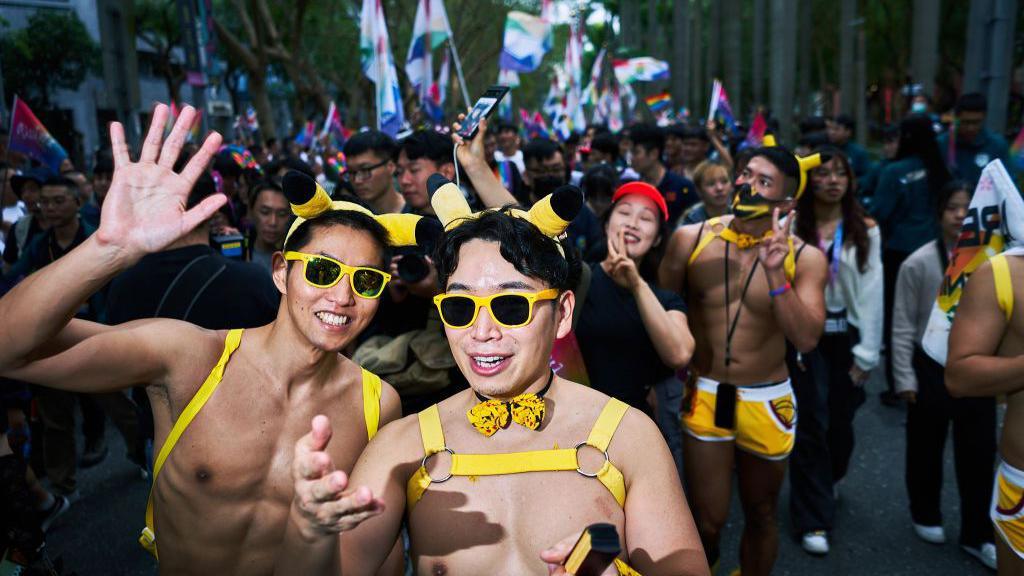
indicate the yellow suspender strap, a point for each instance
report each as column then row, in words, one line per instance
column 433, row 442
column 1004, row 284
column 514, row 463
column 600, row 437
column 371, row 402
column 148, row 538
column 789, row 264
column 625, row 569
column 704, row 240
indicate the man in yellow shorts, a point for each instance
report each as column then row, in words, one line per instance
column 751, row 287
column 986, row 358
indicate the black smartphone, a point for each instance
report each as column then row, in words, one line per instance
column 482, row 109
column 725, row 406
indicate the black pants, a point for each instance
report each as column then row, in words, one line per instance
column 891, row 261
column 828, row 402
column 974, row 452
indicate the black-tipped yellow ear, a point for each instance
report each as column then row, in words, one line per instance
column 807, row 163
column 553, row 213
column 408, row 229
column 768, row 141
column 447, row 200
column 308, row 199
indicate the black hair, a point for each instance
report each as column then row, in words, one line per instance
column 600, row 128
column 521, row 244
column 813, row 140
column 371, row 141
column 648, row 136
column 600, row 181
column 917, row 138
column 428, row 144
column 971, row 102
column 606, row 143
column 812, row 124
column 202, row 189
column 504, row 126
column 853, row 214
column 941, row 201
column 846, row 121
column 261, row 185
column 358, row 221
column 540, row 149
column 784, row 160
column 63, row 182
column 573, row 139
column 225, row 165
column 104, row 162
column 687, row 132
column 890, row 132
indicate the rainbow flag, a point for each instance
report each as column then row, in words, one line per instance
column 755, row 136
column 527, row 39
column 720, row 109
column 306, row 137
column 642, row 69
column 659, row 102
column 338, row 164
column 30, row 137
column 379, row 67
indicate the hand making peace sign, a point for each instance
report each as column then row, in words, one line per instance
column 145, row 209
column 772, row 252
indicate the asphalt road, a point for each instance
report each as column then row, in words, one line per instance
column 873, row 535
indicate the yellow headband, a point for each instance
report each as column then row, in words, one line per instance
column 551, row 214
column 308, row 200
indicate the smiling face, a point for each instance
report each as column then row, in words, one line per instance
column 639, row 218
column 499, row 361
column 329, row 318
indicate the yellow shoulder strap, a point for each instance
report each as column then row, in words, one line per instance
column 1004, row 284
column 234, row 338
column 789, row 264
column 371, row 402
column 704, row 240
column 433, row 442
column 514, row 463
column 600, row 437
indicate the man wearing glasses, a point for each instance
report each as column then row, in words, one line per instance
column 371, row 170
column 233, row 403
column 488, row 479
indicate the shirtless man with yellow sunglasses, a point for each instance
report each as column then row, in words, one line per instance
column 233, row 403
column 489, row 479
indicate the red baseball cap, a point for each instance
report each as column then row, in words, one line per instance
column 643, row 189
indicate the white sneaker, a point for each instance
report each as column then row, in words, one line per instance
column 816, row 543
column 986, row 554
column 933, row 534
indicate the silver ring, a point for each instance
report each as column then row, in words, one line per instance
column 423, row 464
column 580, row 470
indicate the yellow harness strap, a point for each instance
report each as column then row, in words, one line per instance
column 728, row 235
column 557, row 460
column 371, row 402
column 148, row 536
column 1004, row 284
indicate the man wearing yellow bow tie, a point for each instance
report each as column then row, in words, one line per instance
column 489, row 479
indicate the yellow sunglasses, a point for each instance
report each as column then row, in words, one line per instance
column 509, row 309
column 323, row 272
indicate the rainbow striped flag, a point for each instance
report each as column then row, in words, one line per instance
column 659, row 102
column 720, row 109
column 30, row 137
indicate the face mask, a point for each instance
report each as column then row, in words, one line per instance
column 750, row 205
column 918, row 107
column 546, row 185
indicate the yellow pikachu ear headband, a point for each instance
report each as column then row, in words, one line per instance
column 551, row 214
column 791, row 165
column 309, row 200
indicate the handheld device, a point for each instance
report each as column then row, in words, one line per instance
column 482, row 109
column 229, row 245
column 597, row 547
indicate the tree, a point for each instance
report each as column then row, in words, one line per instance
column 158, row 24
column 53, row 51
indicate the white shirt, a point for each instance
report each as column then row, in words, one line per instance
column 860, row 293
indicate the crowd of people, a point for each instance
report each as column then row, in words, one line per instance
column 672, row 307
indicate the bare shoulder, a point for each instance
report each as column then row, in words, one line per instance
column 192, row 351
column 811, row 257
column 398, row 441
column 870, row 222
column 390, row 404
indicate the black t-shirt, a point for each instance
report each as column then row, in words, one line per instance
column 209, row 290
column 679, row 193
column 620, row 358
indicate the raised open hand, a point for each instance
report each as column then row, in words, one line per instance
column 321, row 505
column 772, row 252
column 145, row 208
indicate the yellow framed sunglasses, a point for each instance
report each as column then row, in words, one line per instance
column 323, row 272
column 509, row 309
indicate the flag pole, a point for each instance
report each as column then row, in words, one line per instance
column 458, row 68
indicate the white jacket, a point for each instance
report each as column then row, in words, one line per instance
column 862, row 295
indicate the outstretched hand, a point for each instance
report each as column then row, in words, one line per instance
column 322, row 504
column 772, row 252
column 145, row 208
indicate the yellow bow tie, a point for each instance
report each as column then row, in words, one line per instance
column 527, row 410
column 743, row 241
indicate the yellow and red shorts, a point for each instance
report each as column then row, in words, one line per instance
column 765, row 417
column 1008, row 506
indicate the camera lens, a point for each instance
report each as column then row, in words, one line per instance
column 412, row 268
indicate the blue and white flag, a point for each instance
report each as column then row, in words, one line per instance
column 379, row 67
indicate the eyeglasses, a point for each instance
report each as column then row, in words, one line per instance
column 509, row 309
column 366, row 171
column 324, row 272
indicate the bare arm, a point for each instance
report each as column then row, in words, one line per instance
column 672, row 271
column 144, row 212
column 972, row 366
column 800, row 310
column 471, row 157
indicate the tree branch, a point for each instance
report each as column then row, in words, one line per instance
column 235, row 47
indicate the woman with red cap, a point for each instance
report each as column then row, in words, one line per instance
column 632, row 335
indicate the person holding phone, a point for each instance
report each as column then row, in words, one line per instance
column 632, row 335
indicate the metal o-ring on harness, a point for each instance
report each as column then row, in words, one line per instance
column 423, row 464
column 580, row 469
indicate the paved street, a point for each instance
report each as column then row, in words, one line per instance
column 873, row 534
